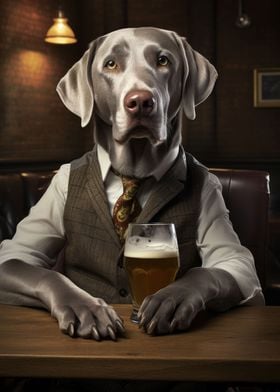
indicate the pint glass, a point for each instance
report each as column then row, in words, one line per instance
column 151, row 260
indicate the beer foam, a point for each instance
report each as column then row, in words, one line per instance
column 150, row 254
column 143, row 248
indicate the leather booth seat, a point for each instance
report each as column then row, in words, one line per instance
column 246, row 194
column 18, row 193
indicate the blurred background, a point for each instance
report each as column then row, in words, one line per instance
column 37, row 132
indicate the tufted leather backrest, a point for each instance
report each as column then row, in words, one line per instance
column 246, row 194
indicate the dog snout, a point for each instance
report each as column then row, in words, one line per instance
column 139, row 102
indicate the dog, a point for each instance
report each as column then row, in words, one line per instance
column 134, row 85
column 134, row 82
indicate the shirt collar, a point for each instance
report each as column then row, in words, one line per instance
column 105, row 164
column 104, row 161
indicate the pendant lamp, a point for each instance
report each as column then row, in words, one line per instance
column 60, row 32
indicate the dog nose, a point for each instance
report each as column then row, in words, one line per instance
column 139, row 102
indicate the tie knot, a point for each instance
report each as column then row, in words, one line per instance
column 127, row 207
column 130, row 187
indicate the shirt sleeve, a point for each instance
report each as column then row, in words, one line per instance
column 219, row 245
column 40, row 236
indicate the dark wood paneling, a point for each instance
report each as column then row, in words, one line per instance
column 100, row 17
column 246, row 133
column 159, row 13
column 199, row 136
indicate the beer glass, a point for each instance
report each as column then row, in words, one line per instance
column 151, row 260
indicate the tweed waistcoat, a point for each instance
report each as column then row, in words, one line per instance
column 93, row 253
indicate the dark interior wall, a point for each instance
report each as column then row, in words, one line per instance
column 228, row 129
column 246, row 133
column 34, row 125
column 102, row 16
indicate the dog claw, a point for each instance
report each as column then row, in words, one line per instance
column 111, row 333
column 173, row 325
column 151, row 327
column 71, row 330
column 95, row 334
column 120, row 327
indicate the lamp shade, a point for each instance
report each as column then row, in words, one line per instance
column 60, row 32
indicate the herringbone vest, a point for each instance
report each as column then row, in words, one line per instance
column 93, row 253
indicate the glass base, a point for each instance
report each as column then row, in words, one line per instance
column 133, row 317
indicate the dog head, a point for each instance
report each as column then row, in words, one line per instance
column 134, row 83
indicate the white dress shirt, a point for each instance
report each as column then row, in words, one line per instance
column 41, row 234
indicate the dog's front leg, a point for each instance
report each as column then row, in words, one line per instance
column 174, row 307
column 77, row 312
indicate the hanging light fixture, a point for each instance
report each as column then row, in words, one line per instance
column 243, row 19
column 60, row 32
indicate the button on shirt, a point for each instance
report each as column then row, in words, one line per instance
column 41, row 235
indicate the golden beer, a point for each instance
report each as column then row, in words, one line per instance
column 151, row 260
column 150, row 274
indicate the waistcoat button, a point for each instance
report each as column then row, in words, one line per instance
column 123, row 292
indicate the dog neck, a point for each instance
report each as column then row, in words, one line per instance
column 154, row 163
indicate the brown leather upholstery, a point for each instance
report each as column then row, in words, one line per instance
column 246, row 195
column 18, row 193
column 11, row 203
column 34, row 185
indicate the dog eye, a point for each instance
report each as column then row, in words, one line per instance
column 111, row 64
column 163, row 61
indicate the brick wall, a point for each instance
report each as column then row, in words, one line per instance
column 34, row 125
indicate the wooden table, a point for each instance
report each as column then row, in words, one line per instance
column 240, row 345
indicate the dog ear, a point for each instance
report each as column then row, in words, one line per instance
column 200, row 77
column 75, row 89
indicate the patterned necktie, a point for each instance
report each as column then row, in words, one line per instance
column 127, row 207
